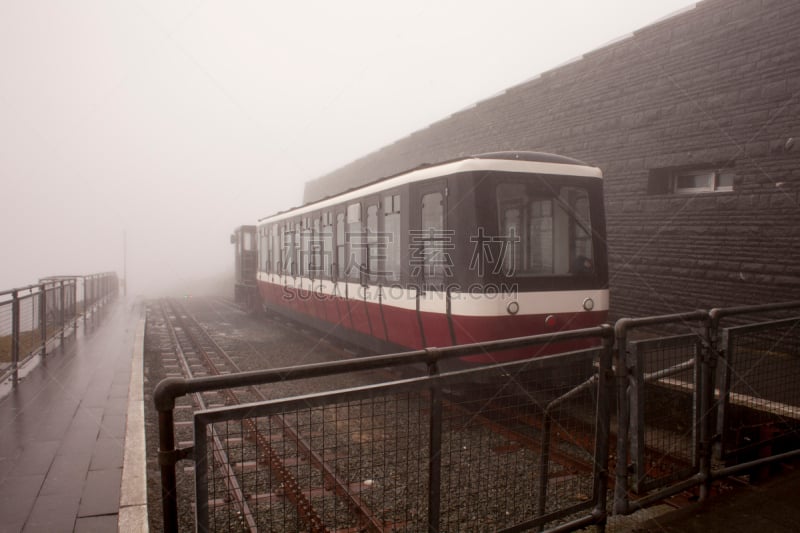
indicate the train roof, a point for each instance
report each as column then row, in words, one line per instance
column 540, row 157
column 511, row 161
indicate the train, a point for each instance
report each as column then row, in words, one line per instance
column 483, row 247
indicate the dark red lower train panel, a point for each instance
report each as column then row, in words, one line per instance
column 387, row 328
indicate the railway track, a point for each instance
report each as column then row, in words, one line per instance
column 572, row 451
column 198, row 355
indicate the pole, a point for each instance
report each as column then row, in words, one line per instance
column 124, row 263
column 14, row 338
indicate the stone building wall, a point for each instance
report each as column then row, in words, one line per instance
column 714, row 89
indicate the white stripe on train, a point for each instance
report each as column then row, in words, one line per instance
column 466, row 303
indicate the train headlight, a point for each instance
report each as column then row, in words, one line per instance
column 550, row 321
column 512, row 308
column 588, row 304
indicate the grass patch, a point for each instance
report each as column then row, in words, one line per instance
column 28, row 342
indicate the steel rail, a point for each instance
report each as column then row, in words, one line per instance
column 340, row 487
column 218, row 450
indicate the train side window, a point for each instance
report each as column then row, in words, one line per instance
column 276, row 249
column 298, row 250
column 315, row 249
column 355, row 241
column 374, row 245
column 327, row 251
column 391, row 237
column 307, row 257
column 288, row 249
column 265, row 248
column 341, row 253
column 432, row 261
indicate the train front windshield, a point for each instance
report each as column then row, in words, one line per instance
column 546, row 232
column 550, row 231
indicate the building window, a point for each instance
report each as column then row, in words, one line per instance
column 690, row 180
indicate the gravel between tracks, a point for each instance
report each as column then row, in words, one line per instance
column 476, row 456
column 259, row 343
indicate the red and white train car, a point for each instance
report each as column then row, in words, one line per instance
column 485, row 247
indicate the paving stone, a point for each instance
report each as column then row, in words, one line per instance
column 97, row 524
column 67, row 475
column 107, row 454
column 101, row 493
column 36, row 458
column 53, row 513
column 113, row 426
column 17, row 494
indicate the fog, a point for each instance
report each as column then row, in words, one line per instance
column 174, row 122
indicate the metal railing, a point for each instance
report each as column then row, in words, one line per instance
column 427, row 453
column 705, row 405
column 718, row 400
column 34, row 316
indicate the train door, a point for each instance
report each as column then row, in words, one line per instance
column 398, row 299
column 372, row 278
column 339, row 268
column 432, row 244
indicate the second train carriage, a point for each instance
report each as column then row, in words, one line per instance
column 485, row 247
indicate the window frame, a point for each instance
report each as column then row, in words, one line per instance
column 718, row 179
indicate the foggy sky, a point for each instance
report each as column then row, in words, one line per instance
column 177, row 121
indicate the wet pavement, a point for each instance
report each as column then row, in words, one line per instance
column 62, row 431
column 772, row 506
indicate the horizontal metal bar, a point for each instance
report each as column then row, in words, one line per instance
column 731, row 470
column 393, row 387
column 25, row 288
column 540, row 520
column 677, row 369
column 656, row 497
column 624, row 324
column 754, row 328
column 169, row 389
column 718, row 313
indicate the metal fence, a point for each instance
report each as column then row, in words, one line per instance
column 529, row 453
column 35, row 316
column 730, row 390
column 759, row 408
column 497, row 448
column 664, row 410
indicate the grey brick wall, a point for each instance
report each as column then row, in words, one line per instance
column 717, row 85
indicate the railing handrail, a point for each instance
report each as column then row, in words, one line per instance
column 170, row 389
column 50, row 303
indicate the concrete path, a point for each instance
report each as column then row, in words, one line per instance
column 62, row 431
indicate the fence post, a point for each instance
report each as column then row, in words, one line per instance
column 435, row 465
column 707, row 374
column 61, row 310
column 605, row 393
column 621, row 503
column 74, row 295
column 43, row 317
column 14, row 337
column 169, row 497
column 96, row 296
column 164, row 399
